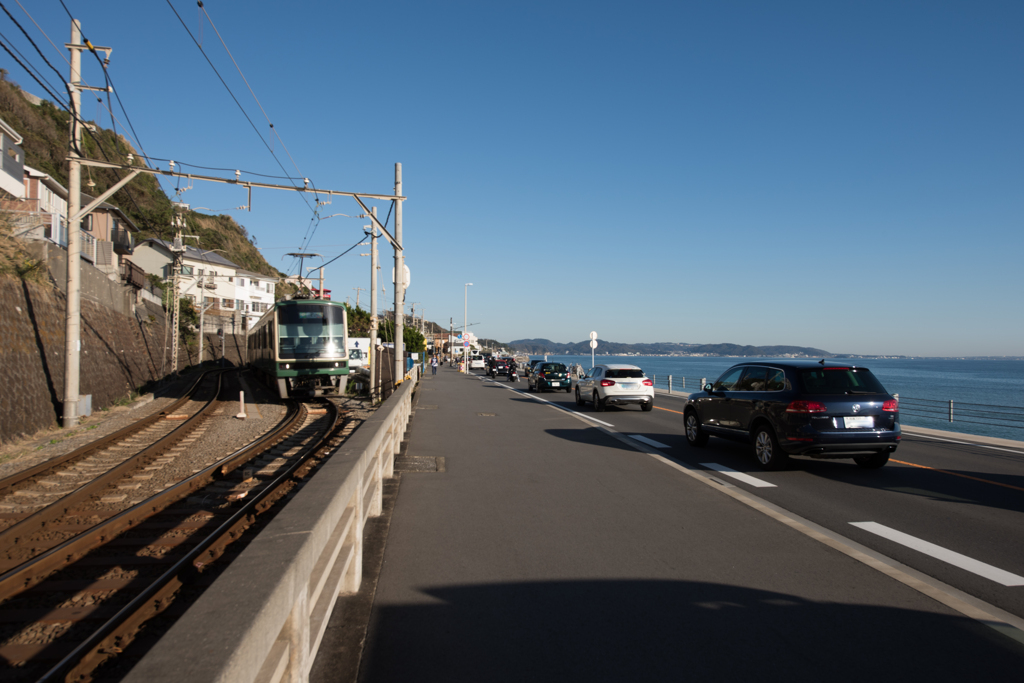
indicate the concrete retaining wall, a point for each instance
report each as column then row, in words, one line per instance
column 120, row 353
column 264, row 617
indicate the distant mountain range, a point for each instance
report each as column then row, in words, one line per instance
column 541, row 346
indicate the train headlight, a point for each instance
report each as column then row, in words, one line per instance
column 335, row 365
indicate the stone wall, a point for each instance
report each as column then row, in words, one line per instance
column 120, row 353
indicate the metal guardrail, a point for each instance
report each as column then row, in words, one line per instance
column 969, row 413
column 678, row 383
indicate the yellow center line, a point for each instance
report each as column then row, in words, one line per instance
column 957, row 474
column 669, row 411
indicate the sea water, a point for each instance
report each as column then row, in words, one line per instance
column 987, row 395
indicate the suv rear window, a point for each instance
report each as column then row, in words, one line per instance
column 840, row 381
column 624, row 374
column 552, row 367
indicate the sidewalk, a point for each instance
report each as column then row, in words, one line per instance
column 549, row 551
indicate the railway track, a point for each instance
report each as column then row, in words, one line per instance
column 71, row 607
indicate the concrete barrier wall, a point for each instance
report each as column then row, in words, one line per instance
column 264, row 617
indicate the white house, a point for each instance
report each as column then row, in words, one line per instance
column 239, row 296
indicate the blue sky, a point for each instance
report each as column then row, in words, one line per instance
column 843, row 175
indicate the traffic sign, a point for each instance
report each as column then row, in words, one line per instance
column 593, row 335
column 593, row 343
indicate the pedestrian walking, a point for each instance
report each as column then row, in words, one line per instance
column 433, row 365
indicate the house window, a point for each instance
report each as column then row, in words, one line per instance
column 227, row 303
column 231, row 279
column 186, row 270
column 199, row 271
column 87, row 223
column 239, row 304
column 241, row 282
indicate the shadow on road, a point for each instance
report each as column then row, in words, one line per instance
column 672, row 631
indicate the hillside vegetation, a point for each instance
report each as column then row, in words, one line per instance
column 44, row 129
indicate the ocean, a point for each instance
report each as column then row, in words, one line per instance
column 987, row 395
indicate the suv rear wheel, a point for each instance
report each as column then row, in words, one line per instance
column 598, row 403
column 767, row 450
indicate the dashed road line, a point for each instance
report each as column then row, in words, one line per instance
column 969, row 564
column 554, row 405
column 649, row 442
column 739, row 476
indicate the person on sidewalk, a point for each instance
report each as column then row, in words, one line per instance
column 433, row 365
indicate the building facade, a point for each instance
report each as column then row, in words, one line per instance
column 234, row 298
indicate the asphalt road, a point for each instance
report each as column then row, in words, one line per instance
column 551, row 548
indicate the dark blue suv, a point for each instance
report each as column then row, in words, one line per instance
column 824, row 410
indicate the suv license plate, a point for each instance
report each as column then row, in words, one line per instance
column 554, row 384
column 629, row 386
column 859, row 422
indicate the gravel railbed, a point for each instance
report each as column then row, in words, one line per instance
column 47, row 444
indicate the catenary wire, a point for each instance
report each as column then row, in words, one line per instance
column 224, row 83
column 62, row 55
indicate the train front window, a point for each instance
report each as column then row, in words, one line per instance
column 312, row 331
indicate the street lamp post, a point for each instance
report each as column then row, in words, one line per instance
column 465, row 321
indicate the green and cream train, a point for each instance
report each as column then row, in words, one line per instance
column 299, row 348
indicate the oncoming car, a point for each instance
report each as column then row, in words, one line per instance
column 783, row 408
column 617, row 384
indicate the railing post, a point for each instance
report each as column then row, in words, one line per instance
column 703, row 381
column 670, row 384
column 950, row 410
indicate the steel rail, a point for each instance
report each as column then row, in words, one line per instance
column 106, row 640
column 18, row 477
column 35, row 570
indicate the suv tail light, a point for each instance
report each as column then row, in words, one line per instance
column 607, row 383
column 806, row 407
column 891, row 406
column 648, row 383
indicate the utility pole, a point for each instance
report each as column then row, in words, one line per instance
column 73, row 313
column 73, row 310
column 399, row 282
column 374, row 322
column 358, row 290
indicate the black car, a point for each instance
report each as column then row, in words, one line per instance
column 552, row 376
column 824, row 410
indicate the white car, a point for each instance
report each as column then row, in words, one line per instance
column 477, row 363
column 615, row 385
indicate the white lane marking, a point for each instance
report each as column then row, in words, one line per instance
column 555, row 405
column 739, row 476
column 983, row 570
column 649, row 442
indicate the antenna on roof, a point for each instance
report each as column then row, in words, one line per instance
column 822, row 361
